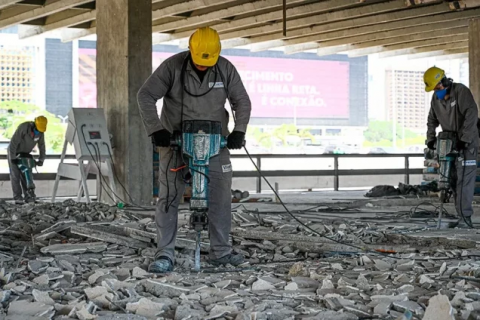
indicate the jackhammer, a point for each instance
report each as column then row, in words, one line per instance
column 199, row 141
column 446, row 157
column 25, row 164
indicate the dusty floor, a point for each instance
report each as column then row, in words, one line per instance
column 365, row 259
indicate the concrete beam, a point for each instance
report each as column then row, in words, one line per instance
column 405, row 42
column 225, row 13
column 40, row 12
column 7, row 3
column 414, row 18
column 451, row 56
column 185, row 6
column 64, row 23
column 430, row 54
column 474, row 58
column 377, row 17
column 444, row 44
column 157, row 14
column 380, row 31
column 325, row 18
column 68, row 35
column 296, row 18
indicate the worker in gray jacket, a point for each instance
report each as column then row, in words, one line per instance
column 194, row 86
column 455, row 110
column 26, row 137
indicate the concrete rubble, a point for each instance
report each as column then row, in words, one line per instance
column 77, row 261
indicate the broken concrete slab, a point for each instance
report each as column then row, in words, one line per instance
column 35, row 310
column 439, row 308
column 76, row 248
column 146, row 307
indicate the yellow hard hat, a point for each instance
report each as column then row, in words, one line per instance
column 41, row 123
column 205, row 47
column 432, row 77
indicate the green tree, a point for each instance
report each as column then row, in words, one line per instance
column 13, row 113
column 281, row 133
column 381, row 132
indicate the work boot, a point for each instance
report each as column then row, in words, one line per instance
column 30, row 200
column 161, row 265
column 234, row 258
column 460, row 223
column 18, row 200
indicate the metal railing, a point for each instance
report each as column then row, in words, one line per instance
column 335, row 172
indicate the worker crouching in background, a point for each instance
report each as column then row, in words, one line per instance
column 455, row 110
column 26, row 137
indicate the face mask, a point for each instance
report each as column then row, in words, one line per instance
column 36, row 132
column 441, row 93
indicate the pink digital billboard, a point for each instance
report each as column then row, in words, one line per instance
column 278, row 88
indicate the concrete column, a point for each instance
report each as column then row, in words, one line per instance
column 124, row 62
column 474, row 58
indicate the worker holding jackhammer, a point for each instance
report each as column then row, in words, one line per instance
column 28, row 135
column 194, row 86
column 454, row 109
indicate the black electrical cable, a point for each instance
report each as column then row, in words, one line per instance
column 101, row 176
column 120, row 182
column 96, row 164
column 283, row 204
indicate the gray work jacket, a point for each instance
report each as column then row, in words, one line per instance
column 165, row 83
column 457, row 114
column 24, row 140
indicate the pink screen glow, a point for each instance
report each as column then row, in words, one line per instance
column 278, row 88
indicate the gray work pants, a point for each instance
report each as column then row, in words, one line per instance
column 463, row 182
column 18, row 181
column 171, row 191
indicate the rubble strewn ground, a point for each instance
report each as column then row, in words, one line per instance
column 77, row 261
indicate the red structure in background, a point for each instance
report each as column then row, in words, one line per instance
column 278, row 88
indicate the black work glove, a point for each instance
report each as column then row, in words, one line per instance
column 431, row 144
column 162, row 138
column 235, row 140
column 39, row 163
column 462, row 145
column 15, row 161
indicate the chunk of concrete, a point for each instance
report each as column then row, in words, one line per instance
column 146, row 307
column 332, row 315
column 411, row 306
column 262, row 285
column 161, row 289
column 425, row 279
column 42, row 297
column 304, row 282
column 139, row 273
column 37, row 267
column 34, row 310
column 439, row 308
column 75, row 248
column 382, row 309
column 382, row 265
column 327, row 284
column 219, row 311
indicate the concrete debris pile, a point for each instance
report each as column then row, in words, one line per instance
column 78, row 261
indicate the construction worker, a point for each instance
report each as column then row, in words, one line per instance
column 28, row 135
column 455, row 110
column 194, row 86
